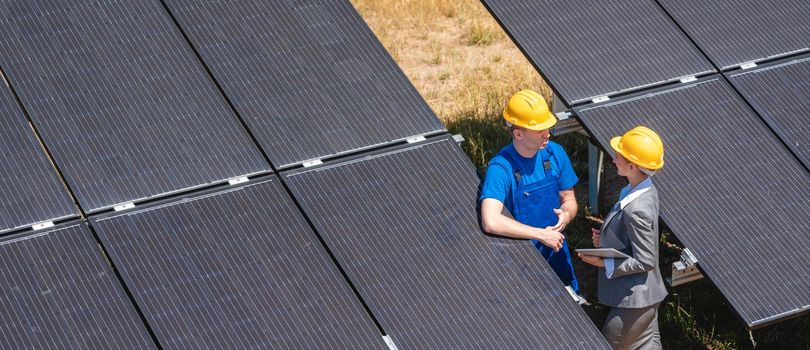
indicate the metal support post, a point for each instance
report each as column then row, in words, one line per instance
column 595, row 163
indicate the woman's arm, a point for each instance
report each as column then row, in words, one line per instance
column 639, row 226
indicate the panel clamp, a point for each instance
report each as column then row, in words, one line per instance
column 42, row 225
column 563, row 115
column 311, row 163
column 415, row 139
column 688, row 79
column 686, row 270
column 578, row 299
column 389, row 342
column 600, row 99
column 238, row 180
column 748, row 65
column 124, row 206
column 458, row 138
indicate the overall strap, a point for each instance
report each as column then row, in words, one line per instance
column 548, row 158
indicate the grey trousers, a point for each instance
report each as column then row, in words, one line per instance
column 633, row 328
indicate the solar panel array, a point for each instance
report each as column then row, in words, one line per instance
column 730, row 191
column 59, row 293
column 120, row 99
column 158, row 103
column 593, row 48
column 142, row 100
column 732, row 33
column 235, row 269
column 30, row 188
column 781, row 95
column 403, row 225
column 309, row 78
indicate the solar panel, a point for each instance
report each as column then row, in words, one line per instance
column 121, row 100
column 309, row 78
column 781, row 95
column 738, row 32
column 404, row 227
column 730, row 191
column 30, row 189
column 60, row 293
column 235, row 269
column 593, row 48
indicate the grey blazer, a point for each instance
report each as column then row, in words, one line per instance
column 636, row 281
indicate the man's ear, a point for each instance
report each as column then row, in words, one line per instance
column 517, row 133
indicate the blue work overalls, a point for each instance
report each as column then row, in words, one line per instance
column 534, row 205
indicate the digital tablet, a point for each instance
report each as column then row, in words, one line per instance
column 603, row 252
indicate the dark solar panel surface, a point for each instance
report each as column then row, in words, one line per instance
column 590, row 48
column 122, row 102
column 236, row 269
column 309, row 78
column 781, row 95
column 60, row 293
column 730, row 191
column 30, row 188
column 741, row 31
column 404, row 227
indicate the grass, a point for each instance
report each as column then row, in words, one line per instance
column 466, row 68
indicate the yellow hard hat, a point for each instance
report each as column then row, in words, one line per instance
column 641, row 146
column 528, row 109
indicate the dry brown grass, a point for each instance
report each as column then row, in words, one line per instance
column 454, row 53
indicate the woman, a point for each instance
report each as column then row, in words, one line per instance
column 632, row 286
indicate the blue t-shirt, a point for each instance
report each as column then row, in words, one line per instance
column 498, row 182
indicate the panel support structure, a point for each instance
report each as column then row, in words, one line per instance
column 595, row 170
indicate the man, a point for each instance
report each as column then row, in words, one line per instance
column 533, row 178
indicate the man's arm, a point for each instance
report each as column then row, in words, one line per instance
column 568, row 209
column 495, row 222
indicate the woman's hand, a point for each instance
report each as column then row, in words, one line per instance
column 591, row 260
column 595, row 237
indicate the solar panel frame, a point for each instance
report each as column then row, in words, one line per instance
column 451, row 287
column 583, row 51
column 310, row 79
column 740, row 32
column 742, row 232
column 60, row 292
column 121, row 100
column 780, row 93
column 238, row 267
column 30, row 188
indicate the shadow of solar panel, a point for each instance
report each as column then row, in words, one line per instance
column 235, row 269
column 121, row 100
column 781, row 95
column 60, row 293
column 730, row 191
column 737, row 32
column 592, row 48
column 404, row 227
column 30, row 188
column 309, row 78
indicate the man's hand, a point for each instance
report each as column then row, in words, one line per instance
column 551, row 238
column 595, row 237
column 562, row 220
column 591, row 260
